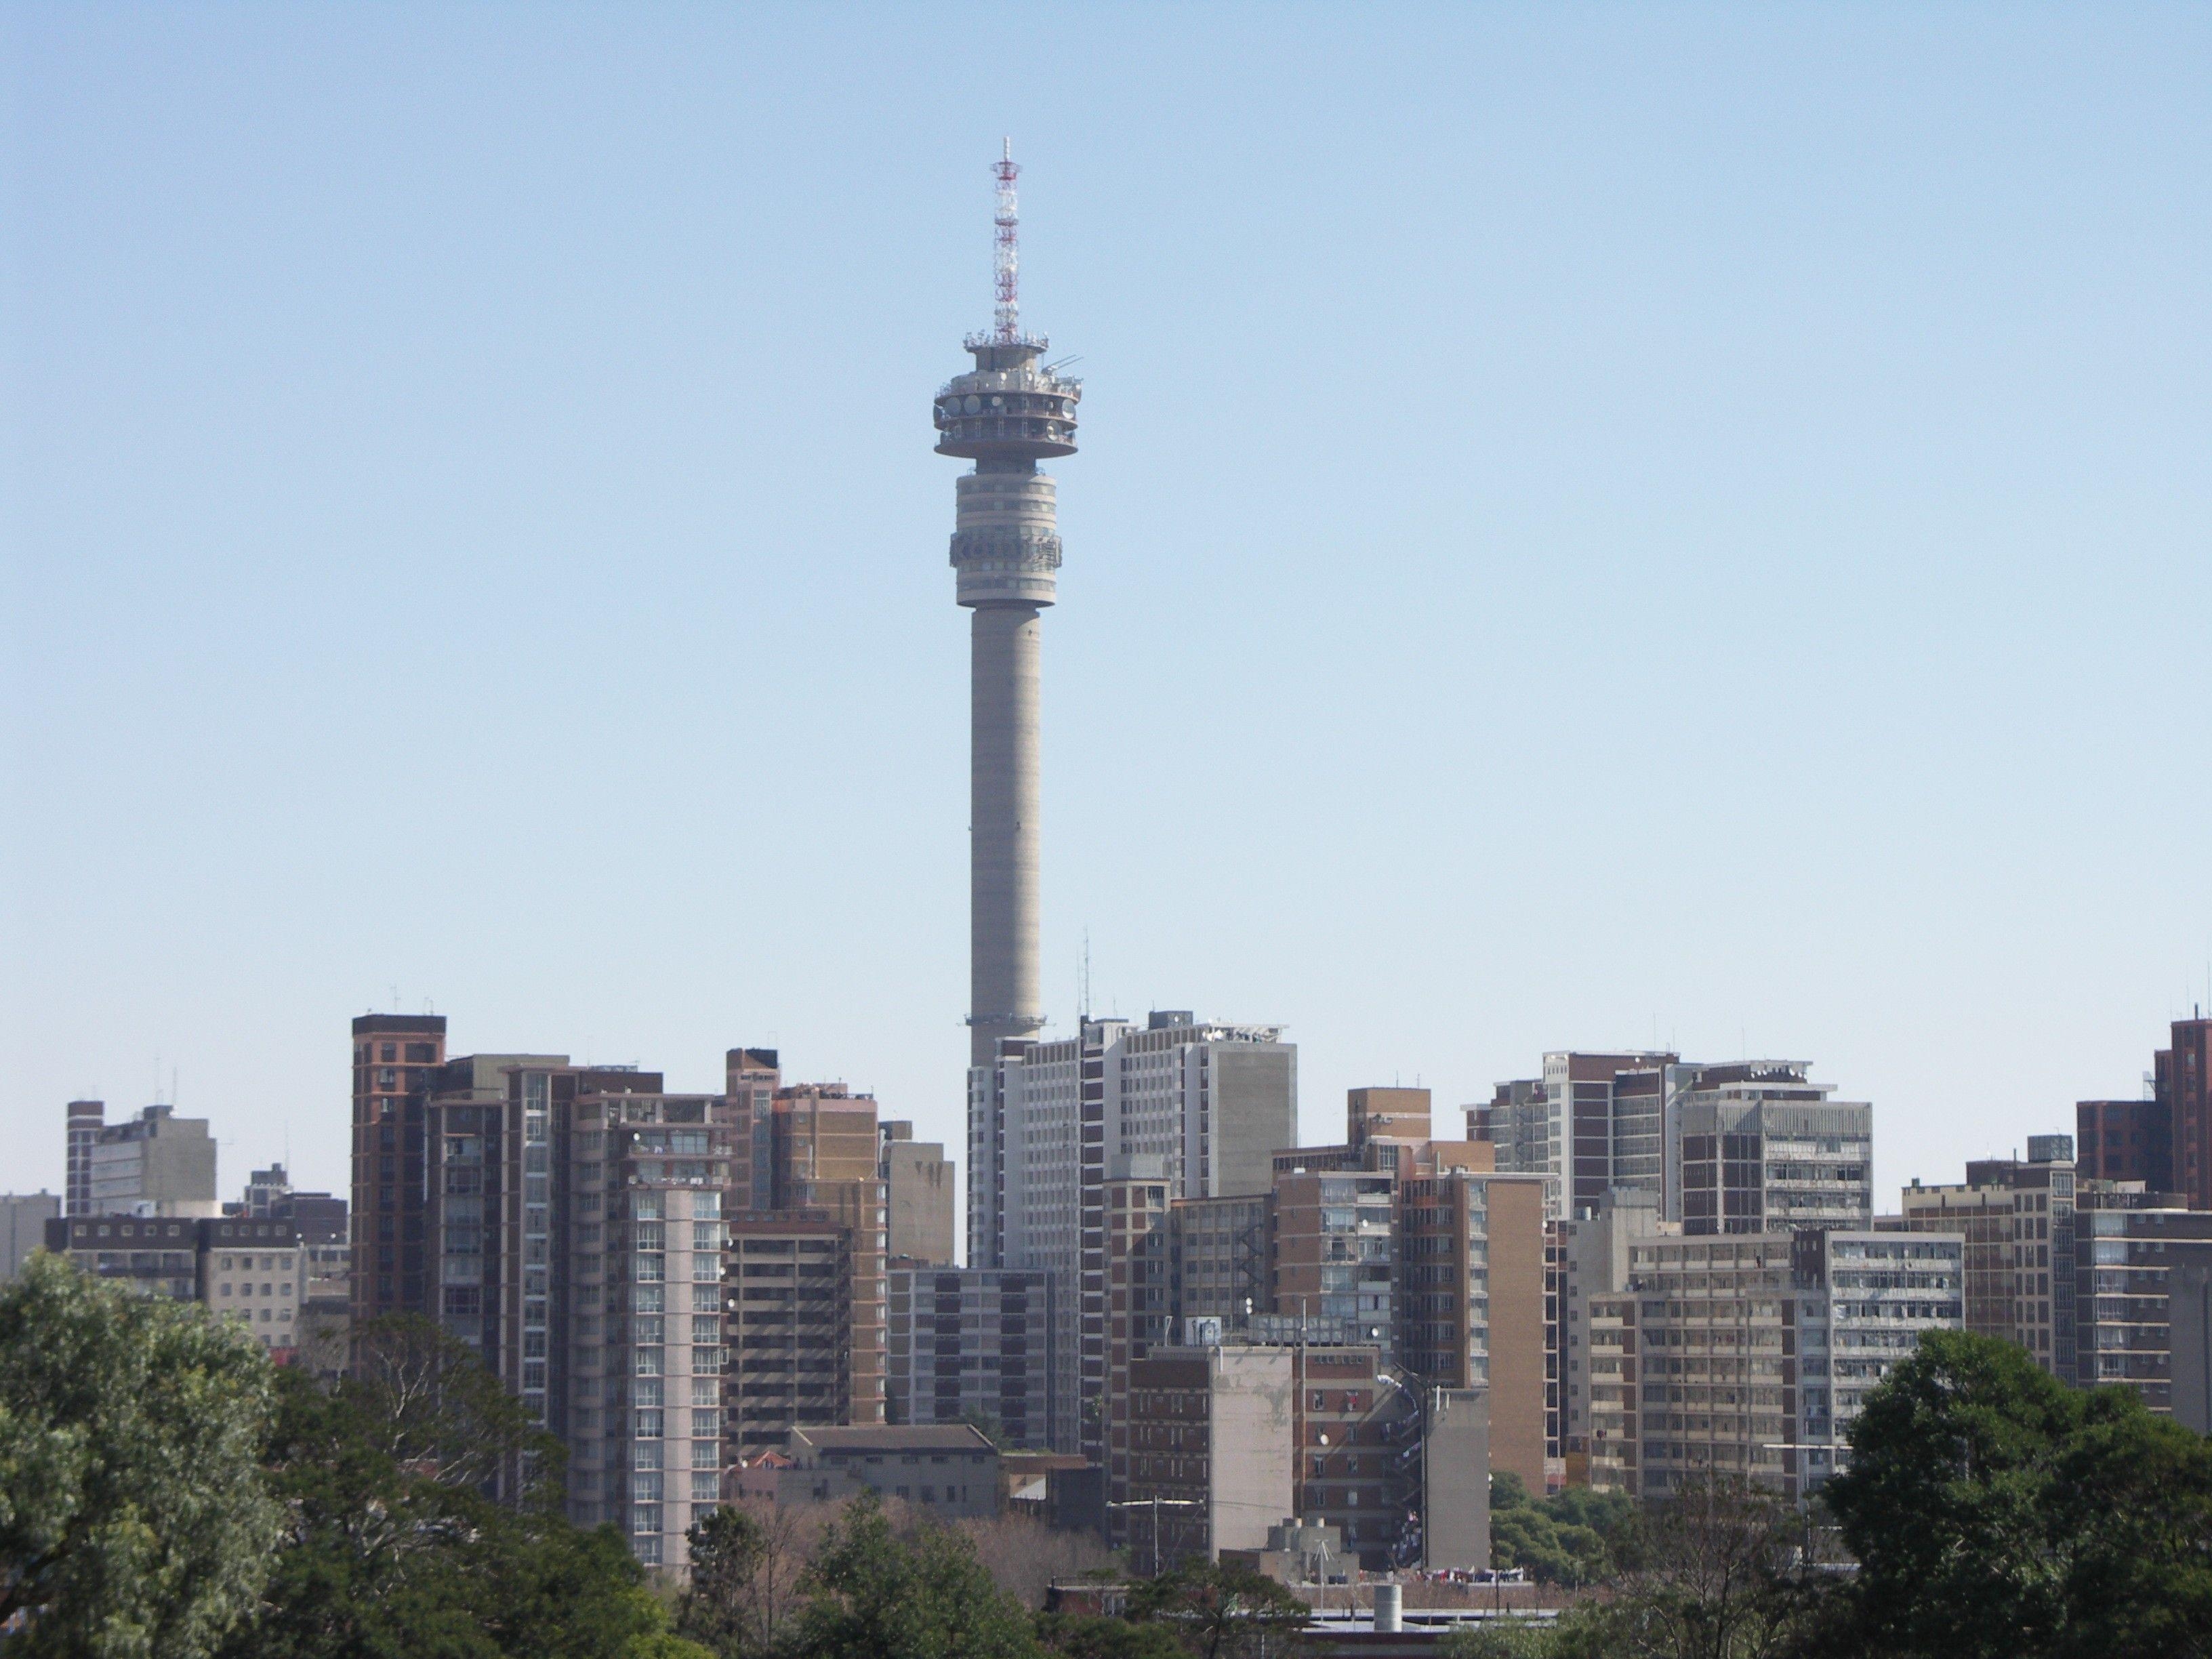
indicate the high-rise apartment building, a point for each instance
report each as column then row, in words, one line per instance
column 1591, row 1124
column 393, row 1055
column 2018, row 1221
column 85, row 1120
column 2128, row 1269
column 490, row 1239
column 1755, row 1146
column 1336, row 1252
column 1749, row 1356
column 2182, row 1079
column 1209, row 1103
column 1212, row 1451
column 1594, row 1262
column 642, row 1319
column 790, row 1297
column 1471, row 1302
column 919, row 1198
column 828, row 1152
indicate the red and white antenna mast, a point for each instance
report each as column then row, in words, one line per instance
column 1006, row 259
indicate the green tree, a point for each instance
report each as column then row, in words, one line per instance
column 873, row 1594
column 985, row 1424
column 1568, row 1538
column 134, row 1520
column 1501, row 1638
column 1995, row 1511
column 1086, row 1635
column 1218, row 1612
column 399, row 1545
column 746, row 1565
column 1719, row 1577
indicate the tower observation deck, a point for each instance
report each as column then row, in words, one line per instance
column 1005, row 414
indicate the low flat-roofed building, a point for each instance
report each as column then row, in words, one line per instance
column 947, row 1469
column 252, row 1273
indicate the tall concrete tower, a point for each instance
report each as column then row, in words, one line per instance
column 1007, row 414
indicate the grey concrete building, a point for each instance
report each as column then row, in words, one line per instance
column 950, row 1470
column 2127, row 1267
column 155, row 1163
column 920, row 1196
column 1455, row 1482
column 972, row 1341
column 1212, row 1451
column 1206, row 1102
column 1595, row 1264
column 23, row 1217
column 1756, row 1146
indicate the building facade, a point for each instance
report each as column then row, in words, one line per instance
column 23, row 1217
column 85, row 1119
column 393, row 1057
column 156, row 1164
column 968, row 1343
column 2018, row 1221
column 1591, row 1124
column 1206, row 1103
column 2125, row 1140
column 1755, row 1146
column 2128, row 1264
column 2181, row 1077
column 1471, row 1305
column 1748, row 1356
column 920, row 1197
column 251, row 1272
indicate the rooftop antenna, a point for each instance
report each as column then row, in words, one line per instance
column 1006, row 262
column 1083, row 986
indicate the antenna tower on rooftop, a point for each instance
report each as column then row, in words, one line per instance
column 1005, row 261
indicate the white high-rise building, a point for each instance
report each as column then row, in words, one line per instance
column 1206, row 1104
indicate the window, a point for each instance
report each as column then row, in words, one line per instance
column 646, row 1425
column 706, row 1453
column 706, row 1298
column 706, row 1486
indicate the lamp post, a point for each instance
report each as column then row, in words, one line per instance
column 1155, row 1504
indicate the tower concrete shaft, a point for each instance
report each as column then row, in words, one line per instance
column 1006, row 415
column 1003, row 827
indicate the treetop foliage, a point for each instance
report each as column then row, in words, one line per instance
column 134, row 1522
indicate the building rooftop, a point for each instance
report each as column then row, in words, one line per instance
column 920, row 1437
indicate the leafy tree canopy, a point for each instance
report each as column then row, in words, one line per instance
column 135, row 1521
column 873, row 1594
column 1996, row 1511
column 1576, row 1537
column 400, row 1546
column 1220, row 1612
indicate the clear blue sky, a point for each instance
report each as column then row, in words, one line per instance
column 1594, row 525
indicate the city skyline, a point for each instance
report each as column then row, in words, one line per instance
column 374, row 631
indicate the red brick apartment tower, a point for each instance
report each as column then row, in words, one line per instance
column 393, row 1058
column 2185, row 1085
column 2125, row 1140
